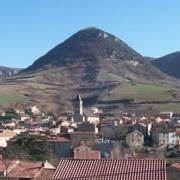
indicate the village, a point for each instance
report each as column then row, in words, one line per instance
column 83, row 135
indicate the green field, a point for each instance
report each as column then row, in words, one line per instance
column 154, row 98
column 140, row 92
column 145, row 92
column 12, row 98
column 105, row 76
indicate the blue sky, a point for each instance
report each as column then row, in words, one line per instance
column 29, row 28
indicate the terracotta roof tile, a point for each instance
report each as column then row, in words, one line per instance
column 176, row 165
column 2, row 166
column 139, row 169
column 45, row 174
column 25, row 169
column 59, row 139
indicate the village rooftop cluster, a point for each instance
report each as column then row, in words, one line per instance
column 86, row 136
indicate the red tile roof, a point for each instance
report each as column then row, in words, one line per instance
column 176, row 165
column 59, row 139
column 25, row 169
column 139, row 169
column 45, row 174
column 2, row 166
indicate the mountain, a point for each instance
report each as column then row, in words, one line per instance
column 169, row 64
column 94, row 53
column 7, row 71
column 101, row 67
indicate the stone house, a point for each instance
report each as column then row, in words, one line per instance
column 135, row 140
column 119, row 132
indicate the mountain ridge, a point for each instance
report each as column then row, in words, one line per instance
column 8, row 71
column 169, row 64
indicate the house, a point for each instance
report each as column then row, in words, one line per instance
column 163, row 134
column 105, row 147
column 86, row 126
column 116, row 132
column 60, row 146
column 138, row 169
column 23, row 170
column 5, row 136
column 173, row 171
column 166, row 115
column 35, row 110
column 178, row 137
column 2, row 113
column 91, row 117
column 85, row 152
column 2, row 168
column 87, row 137
column 113, row 130
column 46, row 172
column 48, row 122
column 135, row 140
column 65, row 129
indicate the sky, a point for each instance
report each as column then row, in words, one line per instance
column 30, row 28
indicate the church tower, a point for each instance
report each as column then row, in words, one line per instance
column 78, row 105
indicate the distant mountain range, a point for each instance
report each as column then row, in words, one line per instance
column 169, row 64
column 101, row 67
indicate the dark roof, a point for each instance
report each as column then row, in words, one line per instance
column 89, row 114
column 143, row 169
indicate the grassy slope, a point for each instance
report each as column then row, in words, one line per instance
column 139, row 93
column 43, row 92
column 12, row 98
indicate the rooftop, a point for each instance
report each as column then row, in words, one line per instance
column 8, row 133
column 2, row 166
column 176, row 165
column 45, row 174
column 25, row 169
column 144, row 169
column 59, row 139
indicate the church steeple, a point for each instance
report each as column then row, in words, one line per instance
column 78, row 105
